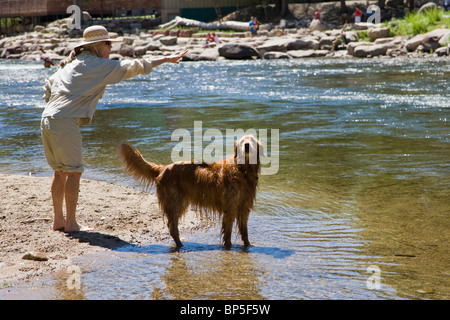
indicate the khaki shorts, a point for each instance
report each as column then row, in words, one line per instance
column 62, row 144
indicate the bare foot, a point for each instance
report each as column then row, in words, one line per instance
column 59, row 225
column 77, row 227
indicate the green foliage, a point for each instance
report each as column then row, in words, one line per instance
column 416, row 23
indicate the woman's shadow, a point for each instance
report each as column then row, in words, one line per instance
column 99, row 239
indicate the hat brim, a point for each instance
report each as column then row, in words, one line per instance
column 95, row 41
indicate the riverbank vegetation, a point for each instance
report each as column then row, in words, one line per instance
column 419, row 22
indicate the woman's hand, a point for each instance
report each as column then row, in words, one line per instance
column 175, row 59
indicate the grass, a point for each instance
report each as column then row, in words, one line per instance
column 417, row 23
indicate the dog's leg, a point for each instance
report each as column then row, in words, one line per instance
column 173, row 208
column 242, row 224
column 173, row 229
column 227, row 227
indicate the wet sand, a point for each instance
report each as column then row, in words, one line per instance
column 119, row 215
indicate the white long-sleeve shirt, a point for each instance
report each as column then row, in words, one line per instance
column 74, row 91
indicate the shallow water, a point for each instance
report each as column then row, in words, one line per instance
column 363, row 178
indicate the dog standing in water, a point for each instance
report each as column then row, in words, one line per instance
column 227, row 188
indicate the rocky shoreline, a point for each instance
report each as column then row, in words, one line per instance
column 56, row 42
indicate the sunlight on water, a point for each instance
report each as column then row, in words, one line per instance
column 363, row 175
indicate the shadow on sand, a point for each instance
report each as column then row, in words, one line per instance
column 115, row 243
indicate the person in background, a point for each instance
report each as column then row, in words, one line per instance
column 254, row 26
column 216, row 38
column 358, row 14
column 316, row 15
column 72, row 94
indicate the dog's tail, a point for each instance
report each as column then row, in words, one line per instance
column 137, row 166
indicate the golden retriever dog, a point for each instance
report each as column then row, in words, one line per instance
column 226, row 188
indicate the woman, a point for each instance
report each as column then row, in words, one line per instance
column 358, row 14
column 72, row 94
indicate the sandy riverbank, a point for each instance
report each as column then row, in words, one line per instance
column 120, row 216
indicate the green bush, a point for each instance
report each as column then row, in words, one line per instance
column 416, row 23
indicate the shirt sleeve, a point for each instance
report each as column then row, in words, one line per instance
column 48, row 88
column 127, row 69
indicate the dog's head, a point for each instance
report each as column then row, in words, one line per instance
column 248, row 150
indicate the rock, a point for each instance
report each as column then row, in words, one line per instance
column 128, row 40
column 276, row 33
column 316, row 25
column 276, row 55
column 168, row 40
column 35, row 256
column 142, row 49
column 190, row 56
column 350, row 36
column 126, row 50
column 210, row 54
column 431, row 39
column 115, row 56
column 445, row 39
column 414, row 42
column 383, row 40
column 186, row 33
column 307, row 43
column 366, row 25
column 444, row 51
column 272, row 45
column 326, row 42
column 352, row 45
column 307, row 53
column 39, row 28
column 238, row 51
column 430, row 44
column 370, row 50
column 139, row 51
column 375, row 33
column 438, row 33
column 396, row 51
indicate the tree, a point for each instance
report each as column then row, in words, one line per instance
column 282, row 7
column 343, row 7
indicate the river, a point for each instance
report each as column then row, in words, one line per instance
column 355, row 206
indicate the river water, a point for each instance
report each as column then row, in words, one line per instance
column 355, row 206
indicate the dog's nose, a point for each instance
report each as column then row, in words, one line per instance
column 247, row 148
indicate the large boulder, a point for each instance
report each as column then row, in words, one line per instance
column 168, row 40
column 372, row 50
column 316, row 25
column 414, row 42
column 352, row 45
column 375, row 33
column 307, row 43
column 326, row 42
column 210, row 54
column 238, row 51
column 431, row 39
column 272, row 45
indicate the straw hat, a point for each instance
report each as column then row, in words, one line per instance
column 95, row 34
